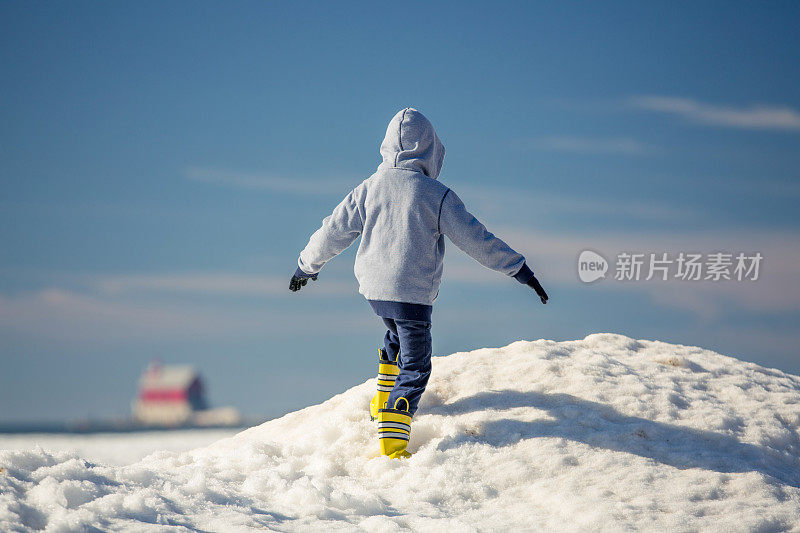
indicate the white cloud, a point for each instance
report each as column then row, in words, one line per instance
column 756, row 116
column 504, row 201
column 60, row 313
column 261, row 182
column 554, row 255
column 96, row 309
column 129, row 306
column 591, row 145
column 73, row 316
column 220, row 284
column 781, row 189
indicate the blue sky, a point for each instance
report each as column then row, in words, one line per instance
column 163, row 164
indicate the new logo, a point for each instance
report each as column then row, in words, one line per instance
column 591, row 266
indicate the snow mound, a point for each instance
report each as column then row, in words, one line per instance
column 606, row 433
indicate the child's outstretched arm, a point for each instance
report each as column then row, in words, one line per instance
column 466, row 232
column 338, row 231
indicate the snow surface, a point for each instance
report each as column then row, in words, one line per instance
column 116, row 448
column 607, row 433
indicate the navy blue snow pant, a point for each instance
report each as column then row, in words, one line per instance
column 413, row 340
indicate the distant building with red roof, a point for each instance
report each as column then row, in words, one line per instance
column 174, row 395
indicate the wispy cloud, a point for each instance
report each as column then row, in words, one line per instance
column 62, row 313
column 555, row 255
column 756, row 116
column 217, row 284
column 86, row 317
column 263, row 182
column 591, row 145
column 503, row 202
column 782, row 189
column 134, row 306
column 178, row 305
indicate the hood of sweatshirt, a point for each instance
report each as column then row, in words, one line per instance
column 412, row 143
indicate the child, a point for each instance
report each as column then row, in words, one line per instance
column 402, row 214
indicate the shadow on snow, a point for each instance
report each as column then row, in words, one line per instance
column 601, row 426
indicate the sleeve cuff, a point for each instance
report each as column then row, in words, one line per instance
column 524, row 275
column 301, row 274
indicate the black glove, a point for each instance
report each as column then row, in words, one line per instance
column 298, row 283
column 535, row 285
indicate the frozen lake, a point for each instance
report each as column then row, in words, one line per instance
column 116, row 449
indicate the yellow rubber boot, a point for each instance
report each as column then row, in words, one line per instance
column 394, row 430
column 387, row 374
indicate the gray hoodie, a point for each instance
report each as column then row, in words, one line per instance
column 402, row 214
